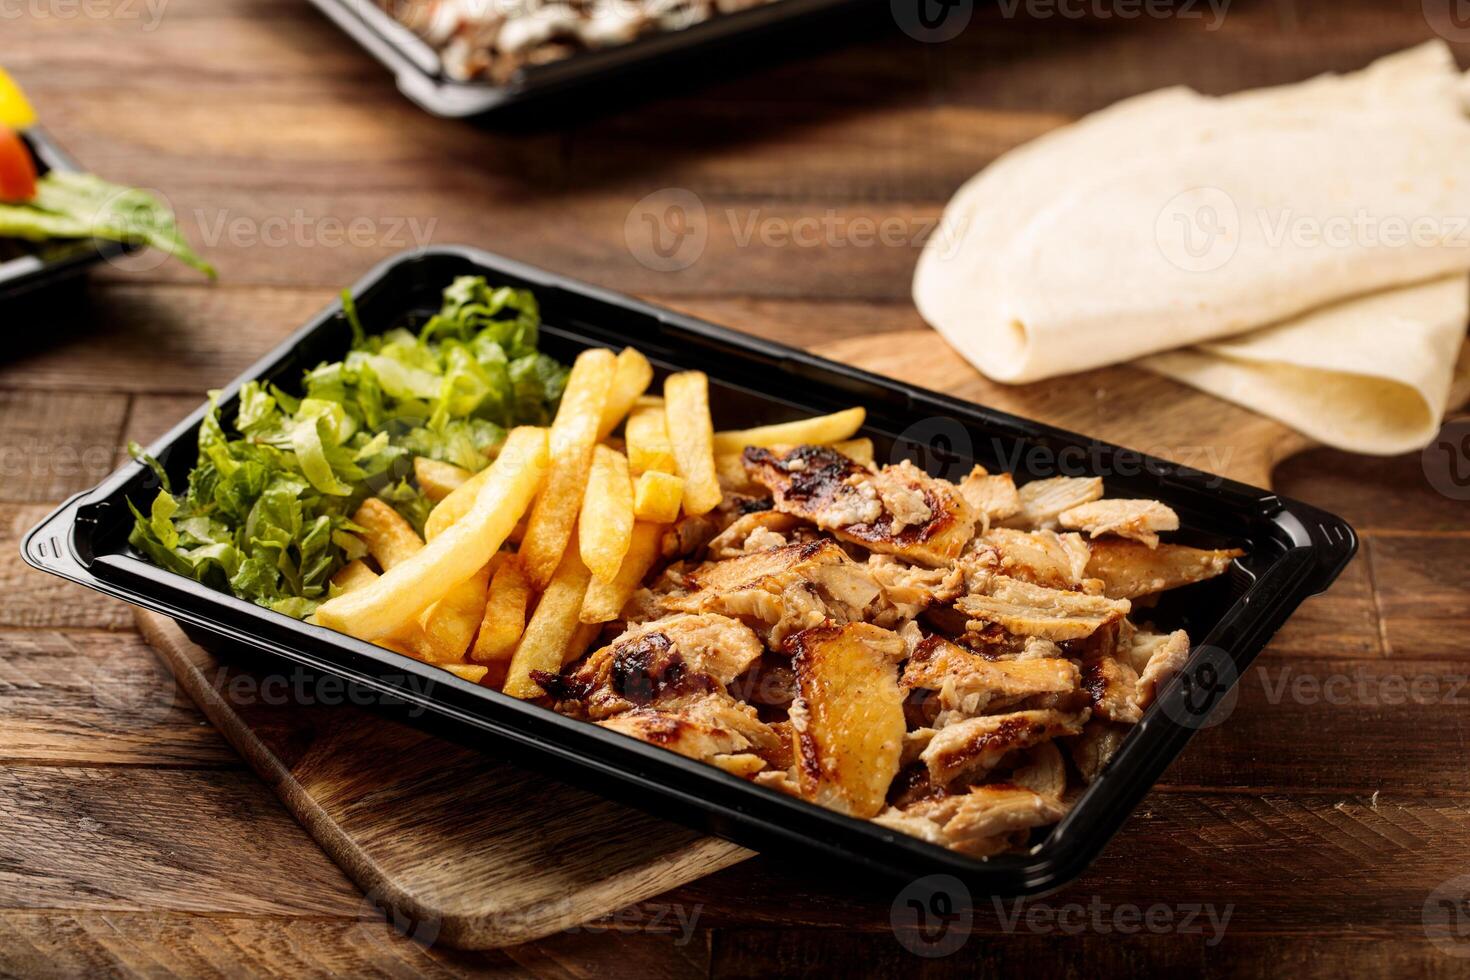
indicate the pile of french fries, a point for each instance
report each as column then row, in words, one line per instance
column 522, row 563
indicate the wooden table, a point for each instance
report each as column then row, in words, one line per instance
column 1320, row 817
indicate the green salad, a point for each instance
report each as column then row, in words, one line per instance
column 266, row 511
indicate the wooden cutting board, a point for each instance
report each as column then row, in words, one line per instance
column 472, row 852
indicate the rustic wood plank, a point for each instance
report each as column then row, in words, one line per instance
column 1343, row 622
column 1373, row 493
column 56, row 443
column 1422, row 582
column 1080, row 948
column 1292, row 865
column 122, row 944
column 131, row 839
column 97, row 699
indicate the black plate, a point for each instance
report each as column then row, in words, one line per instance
column 1293, row 551
column 420, row 75
column 29, row 266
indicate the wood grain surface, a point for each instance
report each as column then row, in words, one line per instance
column 1329, row 816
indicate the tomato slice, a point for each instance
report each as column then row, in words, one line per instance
column 17, row 169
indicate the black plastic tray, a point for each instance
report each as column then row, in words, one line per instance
column 417, row 68
column 1293, row 551
column 49, row 263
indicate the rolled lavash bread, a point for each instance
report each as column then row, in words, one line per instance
column 1174, row 218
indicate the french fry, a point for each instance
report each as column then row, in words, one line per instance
column 389, row 538
column 505, row 614
column 548, row 635
column 582, row 638
column 453, row 556
column 470, row 672
column 647, row 439
column 605, row 526
column 573, row 435
column 730, row 469
column 456, row 505
column 446, row 628
column 438, row 479
column 605, row 600
column 629, row 382
column 821, row 430
column 686, row 409
column 353, row 575
column 657, row 497
column 857, row 450
column 649, row 401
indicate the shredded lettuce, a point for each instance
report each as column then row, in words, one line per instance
column 267, row 510
column 72, row 206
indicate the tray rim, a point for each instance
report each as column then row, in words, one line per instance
column 726, row 805
column 419, row 74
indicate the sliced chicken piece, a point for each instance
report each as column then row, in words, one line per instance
column 910, row 589
column 847, row 722
column 972, row 747
column 993, row 497
column 1094, row 748
column 1057, row 561
column 1129, row 569
column 784, row 590
column 1141, row 520
column 714, row 728
column 1157, row 659
column 687, row 535
column 897, row 510
column 751, row 533
column 658, row 663
column 1112, row 689
column 970, row 684
column 1044, row 772
column 985, row 821
column 1033, row 610
column 1042, row 501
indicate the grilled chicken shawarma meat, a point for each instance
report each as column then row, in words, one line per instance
column 1092, row 750
column 784, row 590
column 1156, row 659
column 974, row 746
column 713, row 728
column 1129, row 569
column 986, row 820
column 1141, row 520
column 1112, row 690
column 993, row 497
column 968, row 683
column 660, row 663
column 1057, row 561
column 847, row 722
column 897, row 510
column 1033, row 610
column 895, row 647
column 1042, row 501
